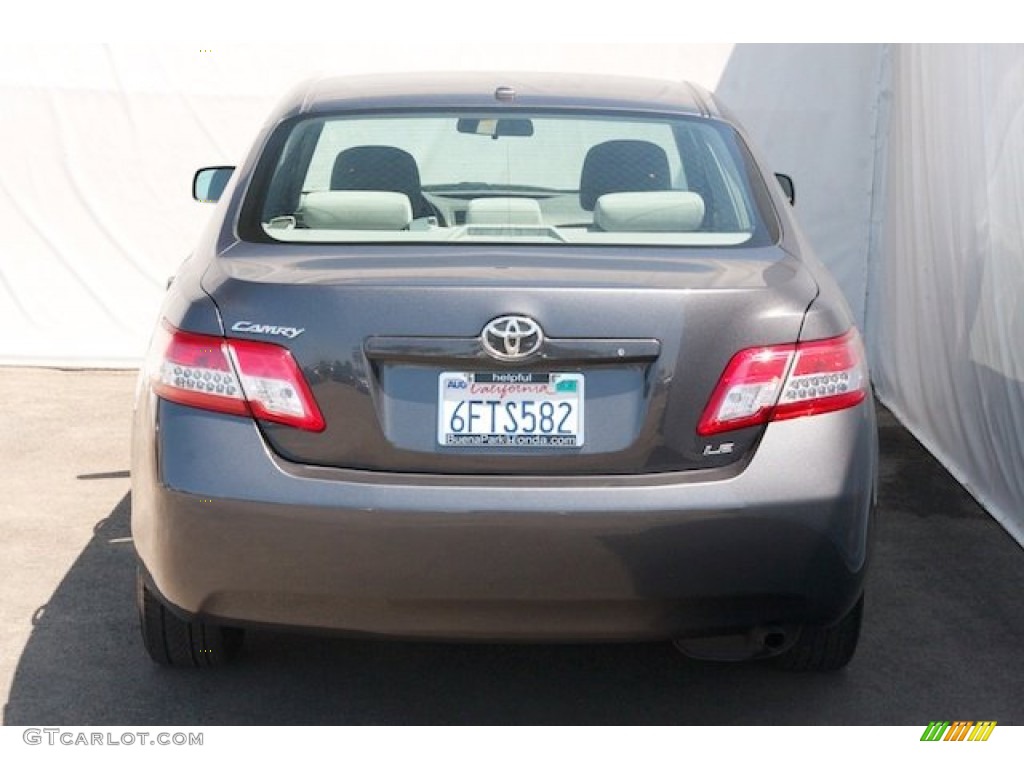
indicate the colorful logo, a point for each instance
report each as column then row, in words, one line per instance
column 960, row 730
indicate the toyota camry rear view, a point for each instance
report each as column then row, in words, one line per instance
column 488, row 357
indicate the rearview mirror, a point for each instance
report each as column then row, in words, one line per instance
column 209, row 183
column 496, row 126
column 788, row 187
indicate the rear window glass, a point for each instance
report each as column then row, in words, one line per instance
column 513, row 177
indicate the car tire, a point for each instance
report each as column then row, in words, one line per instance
column 825, row 649
column 172, row 641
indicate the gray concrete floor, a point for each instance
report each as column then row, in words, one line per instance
column 943, row 638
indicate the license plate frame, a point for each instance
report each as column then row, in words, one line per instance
column 511, row 409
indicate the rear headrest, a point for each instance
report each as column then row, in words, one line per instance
column 503, row 210
column 622, row 166
column 387, row 169
column 345, row 209
column 674, row 211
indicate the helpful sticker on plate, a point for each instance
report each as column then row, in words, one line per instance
column 513, row 410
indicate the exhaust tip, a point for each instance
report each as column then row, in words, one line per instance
column 775, row 640
column 758, row 642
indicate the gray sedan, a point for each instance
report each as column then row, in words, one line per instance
column 490, row 357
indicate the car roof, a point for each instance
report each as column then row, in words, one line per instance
column 479, row 89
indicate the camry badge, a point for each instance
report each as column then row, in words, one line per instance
column 512, row 337
column 246, row 326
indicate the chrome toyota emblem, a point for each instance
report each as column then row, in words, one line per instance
column 512, row 337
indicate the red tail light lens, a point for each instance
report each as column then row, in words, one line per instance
column 786, row 381
column 232, row 376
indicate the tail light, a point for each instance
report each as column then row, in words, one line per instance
column 786, row 381
column 245, row 378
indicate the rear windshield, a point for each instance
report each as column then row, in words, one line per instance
column 517, row 177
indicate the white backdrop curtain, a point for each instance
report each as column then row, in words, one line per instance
column 946, row 301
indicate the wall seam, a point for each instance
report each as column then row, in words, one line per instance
column 879, row 185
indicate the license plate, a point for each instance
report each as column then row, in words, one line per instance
column 510, row 410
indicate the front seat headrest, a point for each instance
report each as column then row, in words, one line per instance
column 622, row 165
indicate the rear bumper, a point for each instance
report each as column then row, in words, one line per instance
column 227, row 530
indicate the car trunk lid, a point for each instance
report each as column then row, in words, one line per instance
column 640, row 335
